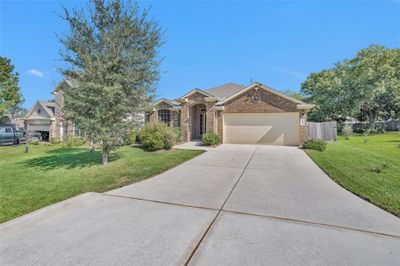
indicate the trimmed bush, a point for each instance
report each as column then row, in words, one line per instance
column 170, row 137
column 211, row 139
column 159, row 136
column 179, row 134
column 130, row 138
column 315, row 144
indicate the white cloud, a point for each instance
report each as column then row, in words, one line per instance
column 288, row 71
column 36, row 73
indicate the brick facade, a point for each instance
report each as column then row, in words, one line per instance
column 259, row 101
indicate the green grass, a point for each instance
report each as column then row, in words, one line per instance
column 367, row 166
column 48, row 174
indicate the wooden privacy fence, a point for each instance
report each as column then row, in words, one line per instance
column 324, row 130
column 393, row 125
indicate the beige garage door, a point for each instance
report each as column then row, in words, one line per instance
column 38, row 127
column 261, row 128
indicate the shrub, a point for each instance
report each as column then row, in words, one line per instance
column 360, row 130
column 211, row 139
column 73, row 142
column 170, row 137
column 35, row 142
column 55, row 141
column 131, row 137
column 315, row 144
column 347, row 131
column 378, row 129
column 159, row 136
column 178, row 134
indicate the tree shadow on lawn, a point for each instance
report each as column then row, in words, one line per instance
column 69, row 158
column 394, row 140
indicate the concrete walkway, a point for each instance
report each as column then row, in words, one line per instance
column 233, row 205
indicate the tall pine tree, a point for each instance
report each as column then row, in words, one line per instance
column 111, row 59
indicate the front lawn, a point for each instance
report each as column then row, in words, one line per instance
column 48, row 174
column 367, row 166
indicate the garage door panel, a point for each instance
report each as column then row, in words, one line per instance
column 35, row 127
column 261, row 128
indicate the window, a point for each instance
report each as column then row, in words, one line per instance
column 39, row 111
column 164, row 116
column 9, row 130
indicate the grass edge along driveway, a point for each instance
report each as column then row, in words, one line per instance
column 49, row 174
column 366, row 166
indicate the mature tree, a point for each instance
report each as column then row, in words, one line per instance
column 327, row 90
column 374, row 75
column 10, row 95
column 367, row 85
column 111, row 53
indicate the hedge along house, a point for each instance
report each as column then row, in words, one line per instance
column 255, row 114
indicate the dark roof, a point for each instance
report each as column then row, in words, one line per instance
column 225, row 90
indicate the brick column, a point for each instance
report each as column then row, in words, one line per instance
column 303, row 130
column 220, row 124
column 153, row 117
column 185, row 110
column 210, row 113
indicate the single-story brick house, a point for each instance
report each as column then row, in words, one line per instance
column 254, row 114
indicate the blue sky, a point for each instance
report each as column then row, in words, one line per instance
column 208, row 43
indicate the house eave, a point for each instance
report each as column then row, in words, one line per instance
column 211, row 99
column 305, row 106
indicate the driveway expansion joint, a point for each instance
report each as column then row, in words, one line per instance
column 280, row 218
column 305, row 222
column 219, row 211
column 161, row 202
column 211, row 165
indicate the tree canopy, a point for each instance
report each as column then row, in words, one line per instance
column 10, row 94
column 367, row 85
column 112, row 63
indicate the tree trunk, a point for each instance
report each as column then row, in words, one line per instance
column 105, row 157
column 371, row 119
column 93, row 147
column 26, row 147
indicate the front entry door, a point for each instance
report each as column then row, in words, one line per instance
column 203, row 119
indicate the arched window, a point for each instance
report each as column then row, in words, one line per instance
column 164, row 116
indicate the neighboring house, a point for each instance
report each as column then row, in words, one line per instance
column 48, row 117
column 255, row 114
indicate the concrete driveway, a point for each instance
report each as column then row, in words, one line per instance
column 234, row 205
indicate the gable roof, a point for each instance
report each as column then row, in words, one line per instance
column 225, row 90
column 169, row 102
column 43, row 106
column 194, row 91
column 259, row 85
